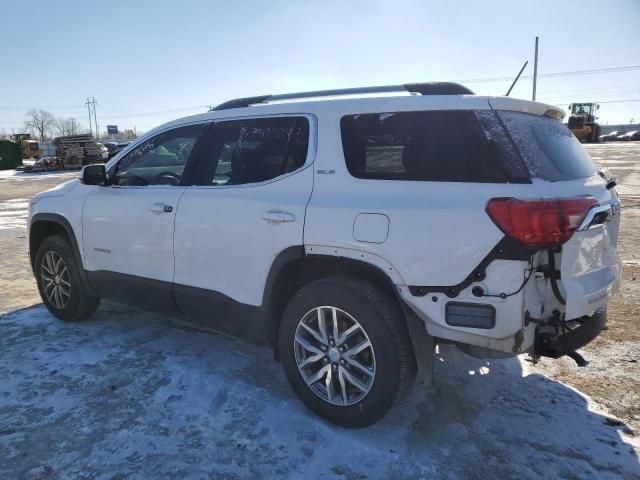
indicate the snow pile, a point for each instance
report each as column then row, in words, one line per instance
column 138, row 395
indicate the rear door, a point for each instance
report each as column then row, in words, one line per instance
column 248, row 206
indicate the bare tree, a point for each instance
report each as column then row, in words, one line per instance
column 40, row 121
column 67, row 126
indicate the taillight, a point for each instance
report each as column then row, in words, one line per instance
column 540, row 223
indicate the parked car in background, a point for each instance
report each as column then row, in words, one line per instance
column 104, row 151
column 112, row 147
column 610, row 137
column 634, row 135
column 123, row 145
column 621, row 137
column 115, row 147
column 347, row 234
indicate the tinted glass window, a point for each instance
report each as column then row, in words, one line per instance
column 256, row 150
column 549, row 149
column 158, row 161
column 448, row 146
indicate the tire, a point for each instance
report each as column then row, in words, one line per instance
column 596, row 134
column 57, row 267
column 371, row 315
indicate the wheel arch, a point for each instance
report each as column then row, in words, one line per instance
column 44, row 225
column 294, row 267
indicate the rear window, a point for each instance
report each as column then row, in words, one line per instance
column 445, row 146
column 548, row 148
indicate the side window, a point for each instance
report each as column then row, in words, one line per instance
column 161, row 160
column 444, row 146
column 256, row 150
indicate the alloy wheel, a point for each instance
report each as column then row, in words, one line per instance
column 56, row 282
column 334, row 355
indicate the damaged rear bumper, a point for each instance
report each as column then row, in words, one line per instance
column 562, row 338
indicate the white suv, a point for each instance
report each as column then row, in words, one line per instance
column 349, row 230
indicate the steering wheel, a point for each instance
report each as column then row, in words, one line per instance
column 168, row 178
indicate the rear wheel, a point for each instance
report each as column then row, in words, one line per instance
column 59, row 283
column 345, row 349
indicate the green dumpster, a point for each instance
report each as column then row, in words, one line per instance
column 10, row 155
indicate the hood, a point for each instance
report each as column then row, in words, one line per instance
column 58, row 190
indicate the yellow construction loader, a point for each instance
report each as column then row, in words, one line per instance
column 582, row 122
column 30, row 148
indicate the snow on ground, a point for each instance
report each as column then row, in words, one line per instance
column 137, row 395
column 14, row 213
column 23, row 176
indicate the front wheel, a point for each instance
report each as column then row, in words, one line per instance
column 59, row 282
column 346, row 351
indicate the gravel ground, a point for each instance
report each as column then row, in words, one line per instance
column 130, row 394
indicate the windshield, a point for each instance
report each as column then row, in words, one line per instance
column 581, row 108
column 549, row 149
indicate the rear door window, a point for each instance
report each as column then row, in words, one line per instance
column 255, row 150
column 443, row 146
column 549, row 149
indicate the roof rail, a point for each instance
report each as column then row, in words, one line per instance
column 431, row 88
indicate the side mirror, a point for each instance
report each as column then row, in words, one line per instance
column 94, row 175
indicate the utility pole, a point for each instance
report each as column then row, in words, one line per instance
column 91, row 107
column 89, row 110
column 535, row 71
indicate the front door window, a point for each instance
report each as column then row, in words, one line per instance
column 161, row 160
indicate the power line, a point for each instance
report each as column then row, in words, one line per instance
column 598, row 92
column 59, row 107
column 619, row 101
column 569, row 90
column 573, row 97
column 155, row 113
column 555, row 74
column 469, row 80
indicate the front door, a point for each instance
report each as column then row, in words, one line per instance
column 128, row 225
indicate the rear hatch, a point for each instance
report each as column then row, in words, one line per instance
column 560, row 168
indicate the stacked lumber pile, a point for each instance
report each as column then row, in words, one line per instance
column 92, row 153
column 77, row 150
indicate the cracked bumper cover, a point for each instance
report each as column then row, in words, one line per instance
column 556, row 346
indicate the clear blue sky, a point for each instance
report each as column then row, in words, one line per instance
column 139, row 57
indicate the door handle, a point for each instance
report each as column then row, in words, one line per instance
column 160, row 207
column 276, row 216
